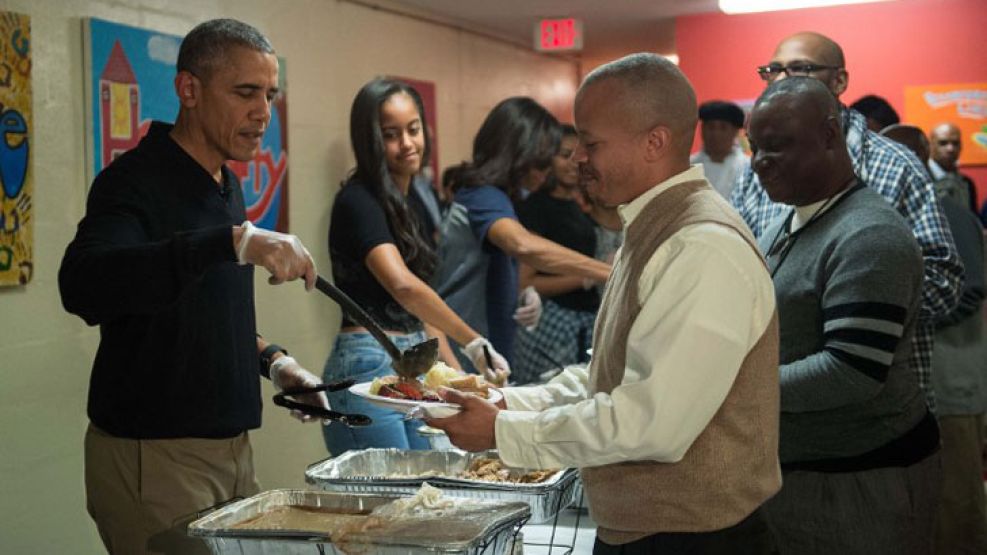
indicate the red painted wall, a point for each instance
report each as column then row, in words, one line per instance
column 888, row 45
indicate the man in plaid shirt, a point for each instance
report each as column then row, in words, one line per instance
column 885, row 166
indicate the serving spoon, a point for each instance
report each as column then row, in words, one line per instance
column 410, row 363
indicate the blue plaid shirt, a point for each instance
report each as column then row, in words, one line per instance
column 894, row 172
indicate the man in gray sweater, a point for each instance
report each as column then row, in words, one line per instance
column 859, row 449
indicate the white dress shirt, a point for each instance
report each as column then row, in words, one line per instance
column 706, row 299
column 723, row 175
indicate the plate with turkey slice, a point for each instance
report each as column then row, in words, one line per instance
column 428, row 407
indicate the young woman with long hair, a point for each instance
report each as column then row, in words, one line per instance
column 514, row 145
column 381, row 244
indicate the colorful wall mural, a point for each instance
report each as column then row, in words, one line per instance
column 16, row 226
column 130, row 74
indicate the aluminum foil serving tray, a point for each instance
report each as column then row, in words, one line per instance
column 401, row 471
column 469, row 528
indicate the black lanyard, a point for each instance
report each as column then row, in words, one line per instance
column 784, row 239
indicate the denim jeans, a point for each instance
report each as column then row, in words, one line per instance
column 358, row 356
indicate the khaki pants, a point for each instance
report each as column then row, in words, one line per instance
column 962, row 526
column 143, row 493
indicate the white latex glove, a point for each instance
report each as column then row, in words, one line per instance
column 529, row 310
column 474, row 351
column 283, row 255
column 286, row 373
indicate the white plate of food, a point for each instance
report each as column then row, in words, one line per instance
column 428, row 407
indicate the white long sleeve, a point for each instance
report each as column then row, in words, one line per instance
column 567, row 388
column 705, row 299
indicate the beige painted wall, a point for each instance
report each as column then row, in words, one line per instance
column 647, row 36
column 332, row 48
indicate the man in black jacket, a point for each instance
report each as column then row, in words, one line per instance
column 163, row 263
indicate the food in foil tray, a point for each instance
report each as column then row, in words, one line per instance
column 339, row 523
column 456, row 472
column 493, row 470
column 332, row 521
column 440, row 375
column 487, row 470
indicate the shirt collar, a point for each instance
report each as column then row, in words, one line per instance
column 180, row 161
column 936, row 169
column 630, row 210
column 805, row 214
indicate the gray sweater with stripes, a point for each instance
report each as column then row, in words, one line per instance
column 848, row 291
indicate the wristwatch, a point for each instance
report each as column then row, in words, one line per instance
column 268, row 354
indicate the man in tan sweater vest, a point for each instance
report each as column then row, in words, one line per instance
column 674, row 425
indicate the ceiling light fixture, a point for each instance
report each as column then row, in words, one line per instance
column 751, row 6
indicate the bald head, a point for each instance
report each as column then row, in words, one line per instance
column 646, row 91
column 817, row 50
column 910, row 136
column 636, row 118
column 824, row 49
column 800, row 154
column 946, row 142
column 808, row 97
column 945, row 128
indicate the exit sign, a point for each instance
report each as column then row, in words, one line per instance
column 555, row 35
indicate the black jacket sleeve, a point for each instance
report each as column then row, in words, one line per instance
column 114, row 266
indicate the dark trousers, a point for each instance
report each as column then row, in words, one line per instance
column 750, row 537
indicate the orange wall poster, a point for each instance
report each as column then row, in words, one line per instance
column 962, row 104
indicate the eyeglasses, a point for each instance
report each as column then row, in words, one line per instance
column 771, row 72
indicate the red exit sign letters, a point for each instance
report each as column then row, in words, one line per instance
column 555, row 35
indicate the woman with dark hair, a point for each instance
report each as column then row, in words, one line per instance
column 514, row 146
column 383, row 253
column 565, row 330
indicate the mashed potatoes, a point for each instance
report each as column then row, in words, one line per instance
column 440, row 374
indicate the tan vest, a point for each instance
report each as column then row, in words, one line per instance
column 732, row 467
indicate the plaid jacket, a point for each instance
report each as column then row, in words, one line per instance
column 896, row 174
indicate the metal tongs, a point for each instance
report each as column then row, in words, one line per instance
column 351, row 420
column 411, row 363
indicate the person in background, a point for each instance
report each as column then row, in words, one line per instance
column 459, row 276
column 960, row 379
column 517, row 139
column 383, row 254
column 881, row 164
column 530, row 184
column 674, row 424
column 609, row 228
column 877, row 110
column 912, row 137
column 858, row 446
column 722, row 158
column 947, row 143
column 163, row 263
column 609, row 231
column 569, row 304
